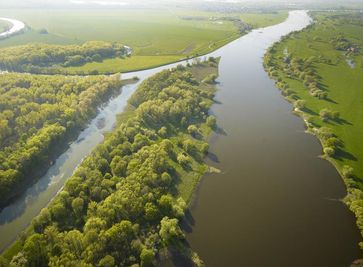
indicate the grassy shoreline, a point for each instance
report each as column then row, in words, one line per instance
column 313, row 69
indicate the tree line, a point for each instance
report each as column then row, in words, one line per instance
column 40, row 58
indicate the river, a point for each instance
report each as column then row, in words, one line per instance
column 17, row 26
column 275, row 202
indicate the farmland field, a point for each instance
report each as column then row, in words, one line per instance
column 156, row 37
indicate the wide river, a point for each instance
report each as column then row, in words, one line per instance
column 275, row 202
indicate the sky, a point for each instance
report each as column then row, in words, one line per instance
column 121, row 3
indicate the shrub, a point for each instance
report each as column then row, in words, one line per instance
column 211, row 121
column 329, row 151
column 193, row 130
column 327, row 114
column 347, row 172
column 300, row 104
column 183, row 160
column 211, row 79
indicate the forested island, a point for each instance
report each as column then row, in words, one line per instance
column 124, row 202
column 319, row 70
column 40, row 58
column 38, row 115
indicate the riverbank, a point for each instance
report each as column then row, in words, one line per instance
column 311, row 70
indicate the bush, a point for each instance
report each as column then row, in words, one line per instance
column 147, row 256
column 329, row 151
column 300, row 104
column 347, row 172
column 325, row 133
column 193, row 130
column 211, row 121
column 183, row 160
column 327, row 114
column 211, row 79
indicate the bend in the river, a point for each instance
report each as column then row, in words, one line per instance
column 17, row 26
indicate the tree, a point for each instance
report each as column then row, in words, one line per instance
column 193, row 130
column 118, row 166
column 151, row 212
column 300, row 104
column 170, row 231
column 327, row 114
column 35, row 251
column 347, row 171
column 189, row 147
column 107, row 261
column 166, row 204
column 211, row 121
column 19, row 260
column 183, row 160
column 119, row 237
column 163, row 131
column 77, row 205
column 329, row 151
column 147, row 257
column 179, row 207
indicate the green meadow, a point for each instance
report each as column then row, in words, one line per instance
column 156, row 36
column 258, row 20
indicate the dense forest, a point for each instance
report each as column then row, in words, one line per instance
column 53, row 59
column 124, row 202
column 37, row 113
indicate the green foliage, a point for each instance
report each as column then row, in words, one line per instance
column 123, row 204
column 300, row 104
column 147, row 257
column 211, row 121
column 48, row 59
column 170, row 232
column 211, row 79
column 193, row 130
column 327, row 114
column 37, row 113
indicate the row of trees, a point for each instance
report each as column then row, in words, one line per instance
column 50, row 58
column 122, row 204
column 36, row 115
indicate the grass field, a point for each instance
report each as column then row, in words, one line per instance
column 258, row 20
column 156, row 36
